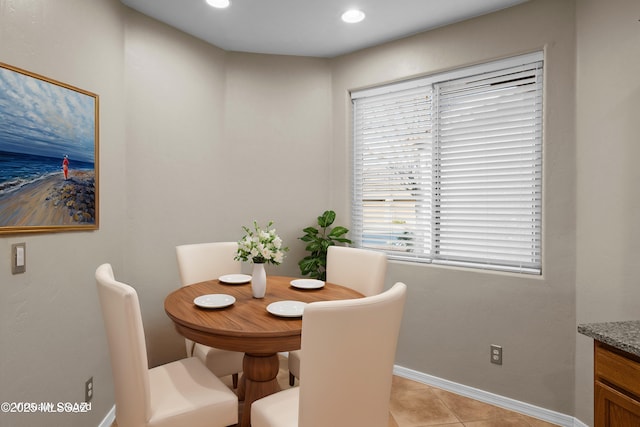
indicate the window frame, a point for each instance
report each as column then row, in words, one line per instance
column 427, row 252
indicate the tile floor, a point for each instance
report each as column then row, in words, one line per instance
column 414, row 404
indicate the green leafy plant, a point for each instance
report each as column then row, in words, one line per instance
column 318, row 241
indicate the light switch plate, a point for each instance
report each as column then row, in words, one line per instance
column 18, row 258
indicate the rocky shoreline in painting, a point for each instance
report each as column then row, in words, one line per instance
column 52, row 201
column 77, row 195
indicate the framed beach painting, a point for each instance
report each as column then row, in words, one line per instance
column 48, row 154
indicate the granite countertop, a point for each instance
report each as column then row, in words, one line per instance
column 624, row 336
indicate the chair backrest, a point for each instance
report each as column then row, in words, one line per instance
column 205, row 261
column 349, row 349
column 127, row 348
column 360, row 269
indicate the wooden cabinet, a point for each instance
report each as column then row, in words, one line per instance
column 617, row 387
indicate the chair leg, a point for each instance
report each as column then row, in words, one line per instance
column 292, row 379
column 234, row 379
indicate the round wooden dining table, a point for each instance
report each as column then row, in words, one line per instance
column 248, row 327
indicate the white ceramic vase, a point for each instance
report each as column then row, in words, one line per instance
column 258, row 280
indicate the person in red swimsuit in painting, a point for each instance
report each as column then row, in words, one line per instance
column 65, row 166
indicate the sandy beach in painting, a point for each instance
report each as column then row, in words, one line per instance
column 51, row 202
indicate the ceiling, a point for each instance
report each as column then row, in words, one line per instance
column 310, row 27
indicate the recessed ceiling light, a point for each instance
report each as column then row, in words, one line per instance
column 220, row 4
column 352, row 16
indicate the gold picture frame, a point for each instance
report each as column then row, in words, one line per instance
column 49, row 169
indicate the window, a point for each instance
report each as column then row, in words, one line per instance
column 448, row 168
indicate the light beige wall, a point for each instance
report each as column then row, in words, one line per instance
column 277, row 136
column 214, row 141
column 453, row 315
column 174, row 113
column 51, row 334
column 608, row 191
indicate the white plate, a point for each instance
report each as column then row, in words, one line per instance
column 235, row 279
column 286, row 308
column 214, row 300
column 307, row 283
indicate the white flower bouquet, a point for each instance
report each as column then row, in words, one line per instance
column 261, row 246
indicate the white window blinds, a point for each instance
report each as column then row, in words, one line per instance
column 448, row 169
column 392, row 208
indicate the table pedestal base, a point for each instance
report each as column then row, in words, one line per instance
column 259, row 379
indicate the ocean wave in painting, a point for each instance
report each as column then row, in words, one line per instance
column 19, row 169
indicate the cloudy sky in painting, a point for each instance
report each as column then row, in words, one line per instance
column 41, row 118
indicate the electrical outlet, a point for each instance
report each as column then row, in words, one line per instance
column 88, row 390
column 496, row 354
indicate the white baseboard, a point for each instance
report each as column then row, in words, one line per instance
column 490, row 398
column 578, row 423
column 109, row 418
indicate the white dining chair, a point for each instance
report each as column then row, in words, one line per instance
column 360, row 269
column 176, row 394
column 347, row 371
column 205, row 261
